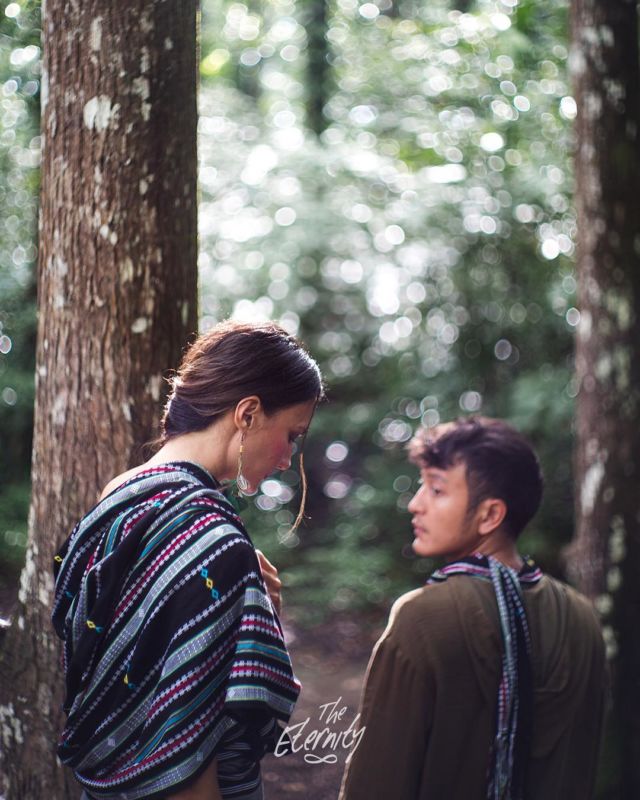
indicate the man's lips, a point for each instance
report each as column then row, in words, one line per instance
column 418, row 530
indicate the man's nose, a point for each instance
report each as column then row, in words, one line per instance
column 415, row 504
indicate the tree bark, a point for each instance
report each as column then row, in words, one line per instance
column 117, row 300
column 605, row 555
column 316, row 22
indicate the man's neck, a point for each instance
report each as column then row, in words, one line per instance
column 505, row 552
column 503, row 548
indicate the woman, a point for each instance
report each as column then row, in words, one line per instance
column 175, row 666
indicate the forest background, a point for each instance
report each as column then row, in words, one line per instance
column 418, row 236
column 393, row 182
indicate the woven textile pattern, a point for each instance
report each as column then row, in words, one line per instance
column 509, row 753
column 172, row 652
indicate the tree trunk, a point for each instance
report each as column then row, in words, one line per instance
column 605, row 555
column 315, row 21
column 117, row 301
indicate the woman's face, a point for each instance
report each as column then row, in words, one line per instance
column 269, row 441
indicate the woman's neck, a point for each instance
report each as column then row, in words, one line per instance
column 208, row 448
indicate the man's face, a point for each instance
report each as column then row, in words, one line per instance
column 441, row 524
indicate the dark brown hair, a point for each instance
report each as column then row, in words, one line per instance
column 235, row 360
column 499, row 461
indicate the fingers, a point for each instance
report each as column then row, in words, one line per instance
column 271, row 580
column 265, row 565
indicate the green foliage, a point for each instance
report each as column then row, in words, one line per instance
column 19, row 160
column 421, row 247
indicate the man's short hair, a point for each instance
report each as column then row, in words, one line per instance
column 500, row 463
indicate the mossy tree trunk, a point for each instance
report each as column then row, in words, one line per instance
column 117, row 302
column 605, row 555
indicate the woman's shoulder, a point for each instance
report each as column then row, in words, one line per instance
column 120, row 479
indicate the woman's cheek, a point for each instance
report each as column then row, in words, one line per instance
column 281, row 454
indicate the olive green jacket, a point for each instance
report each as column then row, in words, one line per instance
column 429, row 702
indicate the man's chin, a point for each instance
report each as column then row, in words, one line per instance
column 421, row 549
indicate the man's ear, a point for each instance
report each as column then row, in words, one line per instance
column 490, row 514
column 245, row 412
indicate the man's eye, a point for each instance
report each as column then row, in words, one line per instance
column 293, row 437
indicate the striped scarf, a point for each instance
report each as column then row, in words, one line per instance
column 173, row 652
column 514, row 716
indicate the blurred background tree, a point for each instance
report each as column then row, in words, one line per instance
column 605, row 554
column 117, row 301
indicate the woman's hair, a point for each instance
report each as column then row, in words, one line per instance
column 499, row 463
column 234, row 360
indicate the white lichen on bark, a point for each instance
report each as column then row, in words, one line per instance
column 126, row 411
column 44, row 89
column 126, row 270
column 145, row 60
column 28, row 573
column 45, row 589
column 142, row 88
column 10, row 726
column 98, row 112
column 59, row 410
column 154, row 386
column 591, row 486
column 95, row 34
column 585, row 324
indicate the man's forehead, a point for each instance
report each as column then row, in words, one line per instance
column 456, row 472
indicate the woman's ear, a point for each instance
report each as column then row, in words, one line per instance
column 491, row 513
column 246, row 411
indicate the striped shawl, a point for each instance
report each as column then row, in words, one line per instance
column 173, row 653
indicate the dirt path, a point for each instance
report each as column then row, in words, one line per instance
column 331, row 676
column 330, row 661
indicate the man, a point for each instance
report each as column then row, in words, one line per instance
column 489, row 681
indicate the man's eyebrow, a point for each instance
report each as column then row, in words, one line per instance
column 436, row 473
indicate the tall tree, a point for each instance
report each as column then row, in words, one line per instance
column 117, row 301
column 316, row 23
column 606, row 551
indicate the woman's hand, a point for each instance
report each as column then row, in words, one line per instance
column 271, row 580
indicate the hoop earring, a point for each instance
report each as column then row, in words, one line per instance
column 241, row 482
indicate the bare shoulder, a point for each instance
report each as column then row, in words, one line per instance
column 119, row 479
